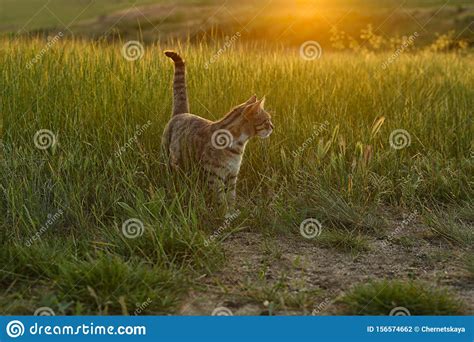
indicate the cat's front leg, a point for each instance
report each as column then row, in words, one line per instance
column 231, row 193
column 218, row 189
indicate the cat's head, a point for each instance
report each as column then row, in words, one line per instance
column 257, row 120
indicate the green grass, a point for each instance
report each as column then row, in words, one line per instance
column 380, row 298
column 93, row 99
column 28, row 15
column 469, row 261
column 344, row 241
column 452, row 225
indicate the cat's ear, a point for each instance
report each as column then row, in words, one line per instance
column 251, row 100
column 252, row 109
column 262, row 102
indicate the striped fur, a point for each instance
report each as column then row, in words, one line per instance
column 190, row 141
column 180, row 96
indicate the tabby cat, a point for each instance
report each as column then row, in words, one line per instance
column 216, row 147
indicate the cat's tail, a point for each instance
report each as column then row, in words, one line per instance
column 180, row 96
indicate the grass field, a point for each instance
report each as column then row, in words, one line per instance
column 26, row 15
column 330, row 159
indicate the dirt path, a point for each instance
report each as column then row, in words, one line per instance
column 287, row 267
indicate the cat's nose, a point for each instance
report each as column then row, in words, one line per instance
column 271, row 125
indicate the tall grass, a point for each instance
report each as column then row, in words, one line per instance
column 95, row 101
